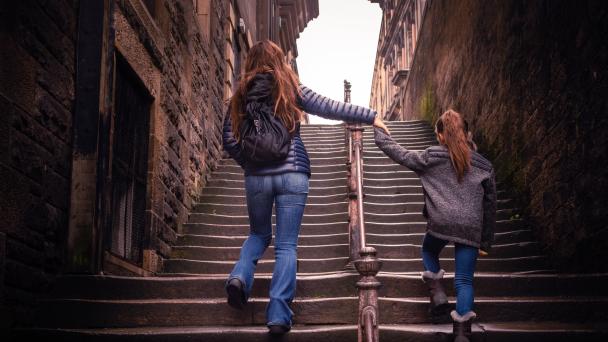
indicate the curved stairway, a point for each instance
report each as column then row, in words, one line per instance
column 517, row 295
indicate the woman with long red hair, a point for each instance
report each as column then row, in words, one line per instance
column 460, row 207
column 269, row 84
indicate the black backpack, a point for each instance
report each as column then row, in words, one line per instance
column 264, row 137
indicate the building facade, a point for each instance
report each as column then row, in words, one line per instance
column 530, row 79
column 111, row 122
column 401, row 20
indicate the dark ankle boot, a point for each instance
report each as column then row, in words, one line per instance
column 462, row 326
column 236, row 294
column 438, row 298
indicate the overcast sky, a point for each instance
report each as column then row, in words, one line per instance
column 340, row 44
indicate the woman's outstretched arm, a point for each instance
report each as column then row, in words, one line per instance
column 322, row 106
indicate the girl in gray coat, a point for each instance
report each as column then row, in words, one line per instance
column 460, row 207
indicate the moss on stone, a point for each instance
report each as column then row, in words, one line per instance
column 428, row 106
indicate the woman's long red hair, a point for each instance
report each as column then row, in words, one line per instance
column 267, row 57
column 451, row 126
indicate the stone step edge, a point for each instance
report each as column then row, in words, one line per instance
column 425, row 299
column 539, row 327
column 344, row 274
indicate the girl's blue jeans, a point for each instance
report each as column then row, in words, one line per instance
column 466, row 258
column 288, row 193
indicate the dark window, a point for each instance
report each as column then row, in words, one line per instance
column 129, row 163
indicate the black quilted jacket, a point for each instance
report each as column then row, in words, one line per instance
column 297, row 160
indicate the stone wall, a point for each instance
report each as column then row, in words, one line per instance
column 181, row 69
column 531, row 78
column 184, row 71
column 37, row 62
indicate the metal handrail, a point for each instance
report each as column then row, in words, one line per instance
column 367, row 264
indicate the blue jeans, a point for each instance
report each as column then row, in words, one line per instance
column 288, row 192
column 466, row 258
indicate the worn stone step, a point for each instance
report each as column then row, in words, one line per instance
column 334, row 181
column 336, row 227
column 402, row 137
column 241, row 209
column 237, row 190
column 337, row 238
column 320, row 174
column 244, row 219
column 326, row 285
column 324, row 218
column 318, row 161
column 241, row 199
column 340, row 310
column 393, row 251
column 485, row 264
column 233, row 167
column 185, row 266
column 237, row 241
column 243, row 229
column 223, row 253
column 496, row 332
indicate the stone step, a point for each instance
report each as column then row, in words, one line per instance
column 220, row 199
column 233, row 167
column 335, row 227
column 222, row 253
column 499, row 331
column 243, row 229
column 241, row 209
column 393, row 251
column 240, row 191
column 239, row 176
column 177, row 267
column 338, row 238
column 244, row 219
column 318, row 208
column 413, row 142
column 69, row 313
column 334, row 181
column 328, row 285
column 237, row 241
column 324, row 218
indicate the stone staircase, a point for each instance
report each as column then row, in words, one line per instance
column 518, row 296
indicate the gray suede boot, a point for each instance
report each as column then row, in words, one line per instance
column 462, row 326
column 439, row 300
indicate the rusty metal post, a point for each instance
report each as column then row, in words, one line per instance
column 368, row 264
column 354, row 236
column 363, row 257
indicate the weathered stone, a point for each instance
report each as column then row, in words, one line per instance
column 531, row 80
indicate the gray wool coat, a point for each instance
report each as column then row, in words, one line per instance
column 462, row 212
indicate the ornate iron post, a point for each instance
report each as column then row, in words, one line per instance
column 364, row 258
column 354, row 235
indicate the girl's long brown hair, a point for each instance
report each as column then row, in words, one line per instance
column 266, row 57
column 451, row 125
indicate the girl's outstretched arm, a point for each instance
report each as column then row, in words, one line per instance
column 416, row 161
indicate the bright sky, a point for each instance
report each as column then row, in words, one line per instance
column 340, row 44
